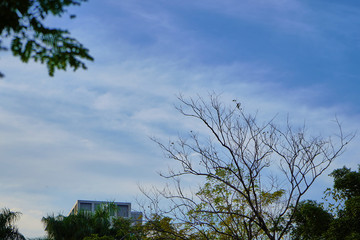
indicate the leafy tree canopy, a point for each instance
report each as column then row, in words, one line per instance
column 8, row 231
column 22, row 22
column 346, row 182
column 88, row 226
column 312, row 221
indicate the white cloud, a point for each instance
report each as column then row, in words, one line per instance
column 114, row 162
column 86, row 135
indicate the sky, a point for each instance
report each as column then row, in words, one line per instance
column 86, row 134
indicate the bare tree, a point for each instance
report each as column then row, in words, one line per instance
column 253, row 175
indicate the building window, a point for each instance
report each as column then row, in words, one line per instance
column 122, row 211
column 85, row 207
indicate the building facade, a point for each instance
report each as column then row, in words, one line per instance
column 121, row 209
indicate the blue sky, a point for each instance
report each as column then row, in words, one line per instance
column 85, row 134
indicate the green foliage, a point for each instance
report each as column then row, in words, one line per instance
column 78, row 226
column 7, row 229
column 92, row 226
column 68, row 228
column 222, row 213
column 223, row 208
column 312, row 221
column 231, row 209
column 347, row 182
column 96, row 237
column 347, row 225
column 346, row 186
column 163, row 228
column 22, row 21
column 124, row 229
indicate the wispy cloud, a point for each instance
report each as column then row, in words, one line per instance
column 86, row 134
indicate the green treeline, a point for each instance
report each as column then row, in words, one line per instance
column 340, row 219
column 337, row 218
